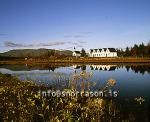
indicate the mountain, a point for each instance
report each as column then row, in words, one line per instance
column 22, row 53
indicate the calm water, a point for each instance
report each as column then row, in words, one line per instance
column 131, row 81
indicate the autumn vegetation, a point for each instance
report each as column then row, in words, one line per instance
column 21, row 102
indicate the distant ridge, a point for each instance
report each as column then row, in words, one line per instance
column 22, row 53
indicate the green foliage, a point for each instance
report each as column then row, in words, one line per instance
column 137, row 51
column 51, row 53
column 83, row 53
column 127, row 52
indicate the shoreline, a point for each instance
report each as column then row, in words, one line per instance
column 78, row 60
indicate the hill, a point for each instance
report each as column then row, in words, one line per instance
column 22, row 53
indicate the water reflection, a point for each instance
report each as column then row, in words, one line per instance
column 82, row 67
column 52, row 67
column 139, row 68
column 103, row 67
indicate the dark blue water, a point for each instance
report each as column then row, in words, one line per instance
column 131, row 81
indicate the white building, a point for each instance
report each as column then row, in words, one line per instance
column 76, row 53
column 104, row 52
column 103, row 67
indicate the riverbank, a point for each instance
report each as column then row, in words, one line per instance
column 78, row 60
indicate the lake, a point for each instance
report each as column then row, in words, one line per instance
column 132, row 80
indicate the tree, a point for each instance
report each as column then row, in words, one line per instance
column 135, row 50
column 120, row 52
column 141, row 50
column 83, row 53
column 52, row 53
column 127, row 52
column 148, row 49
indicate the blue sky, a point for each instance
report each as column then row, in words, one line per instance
column 63, row 24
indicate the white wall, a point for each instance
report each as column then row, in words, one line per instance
column 75, row 54
column 103, row 54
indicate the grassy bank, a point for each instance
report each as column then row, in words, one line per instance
column 78, row 60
